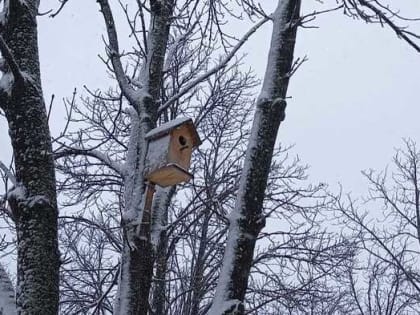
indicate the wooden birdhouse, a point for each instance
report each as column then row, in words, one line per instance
column 169, row 152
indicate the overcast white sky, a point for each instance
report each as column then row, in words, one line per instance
column 352, row 102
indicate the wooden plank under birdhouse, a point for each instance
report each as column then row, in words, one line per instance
column 169, row 175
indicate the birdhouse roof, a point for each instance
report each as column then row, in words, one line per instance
column 166, row 128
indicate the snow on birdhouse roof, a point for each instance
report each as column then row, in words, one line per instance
column 166, row 128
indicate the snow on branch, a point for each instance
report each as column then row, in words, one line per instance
column 8, row 56
column 215, row 69
column 278, row 71
column 117, row 167
column 134, row 136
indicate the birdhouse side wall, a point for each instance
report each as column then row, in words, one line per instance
column 180, row 153
column 157, row 154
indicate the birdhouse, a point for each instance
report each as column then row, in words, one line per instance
column 169, row 152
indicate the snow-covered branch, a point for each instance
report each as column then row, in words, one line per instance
column 134, row 136
column 117, row 167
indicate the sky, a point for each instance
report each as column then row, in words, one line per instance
column 351, row 103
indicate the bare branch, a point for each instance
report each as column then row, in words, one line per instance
column 114, row 54
column 8, row 173
column 216, row 68
column 397, row 29
column 63, row 3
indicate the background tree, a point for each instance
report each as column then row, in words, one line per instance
column 142, row 92
column 32, row 197
column 180, row 51
column 247, row 219
column 385, row 226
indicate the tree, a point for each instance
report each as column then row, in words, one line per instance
column 386, row 229
column 146, row 103
column 32, row 199
column 247, row 219
column 190, row 239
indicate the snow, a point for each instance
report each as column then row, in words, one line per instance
column 160, row 203
column 270, row 77
column 18, row 193
column 156, row 154
column 141, row 93
column 123, row 294
column 37, row 200
column 4, row 13
column 6, row 82
column 221, row 301
column 167, row 127
column 130, row 164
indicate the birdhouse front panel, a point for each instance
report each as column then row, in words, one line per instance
column 180, row 147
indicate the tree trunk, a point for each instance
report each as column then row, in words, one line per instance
column 160, row 241
column 199, row 268
column 33, row 200
column 138, row 252
column 247, row 219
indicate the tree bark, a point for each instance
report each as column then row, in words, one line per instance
column 33, row 200
column 247, row 219
column 160, row 240
column 137, row 257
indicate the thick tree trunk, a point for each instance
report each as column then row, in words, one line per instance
column 159, row 289
column 160, row 241
column 247, row 219
column 138, row 252
column 33, row 200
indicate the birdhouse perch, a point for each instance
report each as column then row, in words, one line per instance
column 169, row 152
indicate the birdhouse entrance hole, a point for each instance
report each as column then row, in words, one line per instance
column 182, row 141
